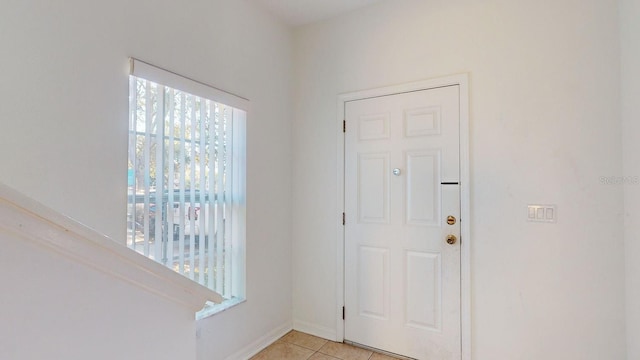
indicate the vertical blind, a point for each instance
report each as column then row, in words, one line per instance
column 183, row 189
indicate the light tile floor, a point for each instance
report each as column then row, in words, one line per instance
column 300, row 346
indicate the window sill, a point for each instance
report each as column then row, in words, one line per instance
column 211, row 309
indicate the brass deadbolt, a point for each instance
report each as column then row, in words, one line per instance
column 451, row 239
column 451, row 220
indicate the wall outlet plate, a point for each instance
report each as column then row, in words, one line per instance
column 542, row 213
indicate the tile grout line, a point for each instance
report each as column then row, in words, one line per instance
column 319, row 350
column 304, row 347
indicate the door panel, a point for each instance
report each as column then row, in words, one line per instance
column 373, row 276
column 422, row 121
column 373, row 127
column 423, row 188
column 423, row 288
column 402, row 279
column 373, row 187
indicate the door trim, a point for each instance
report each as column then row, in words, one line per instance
column 462, row 80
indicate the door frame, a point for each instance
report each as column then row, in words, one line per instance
column 462, row 80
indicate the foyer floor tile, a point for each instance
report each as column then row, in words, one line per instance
column 300, row 346
column 304, row 340
column 345, row 352
column 285, row 351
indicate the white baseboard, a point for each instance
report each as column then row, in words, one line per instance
column 316, row 330
column 262, row 342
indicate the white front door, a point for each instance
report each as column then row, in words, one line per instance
column 402, row 277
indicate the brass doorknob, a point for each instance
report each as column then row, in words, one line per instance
column 451, row 239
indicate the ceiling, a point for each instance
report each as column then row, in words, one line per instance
column 301, row 12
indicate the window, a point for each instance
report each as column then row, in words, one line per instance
column 186, row 178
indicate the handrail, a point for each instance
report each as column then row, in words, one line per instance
column 32, row 221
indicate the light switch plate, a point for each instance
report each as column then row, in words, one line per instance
column 542, row 213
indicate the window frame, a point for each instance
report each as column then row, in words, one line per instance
column 144, row 70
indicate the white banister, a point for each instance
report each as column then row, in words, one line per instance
column 31, row 221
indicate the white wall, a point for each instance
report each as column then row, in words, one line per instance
column 544, row 129
column 54, row 308
column 630, row 41
column 63, row 108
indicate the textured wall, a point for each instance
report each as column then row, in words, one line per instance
column 630, row 41
column 545, row 128
column 63, row 108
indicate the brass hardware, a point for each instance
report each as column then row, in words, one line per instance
column 451, row 220
column 451, row 239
